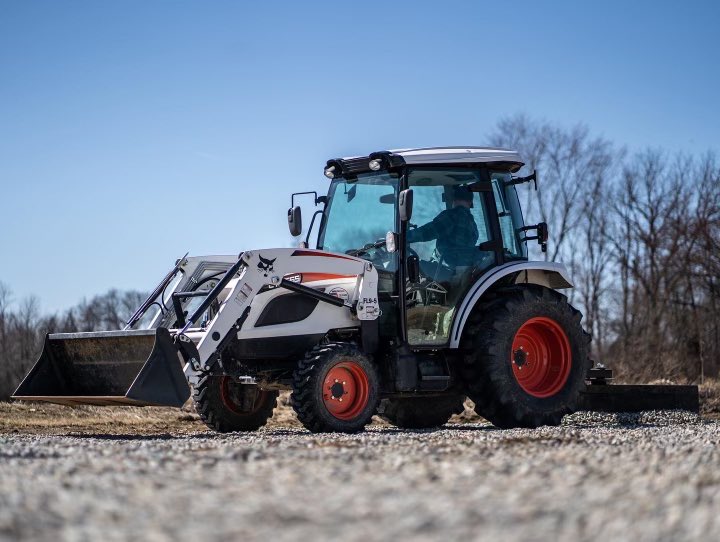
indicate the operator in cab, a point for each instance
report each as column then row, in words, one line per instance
column 454, row 230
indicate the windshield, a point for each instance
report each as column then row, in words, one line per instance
column 359, row 212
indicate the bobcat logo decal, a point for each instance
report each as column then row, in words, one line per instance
column 265, row 266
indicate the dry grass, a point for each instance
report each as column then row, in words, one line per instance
column 710, row 398
column 48, row 419
column 44, row 418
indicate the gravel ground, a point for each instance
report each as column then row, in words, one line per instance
column 654, row 476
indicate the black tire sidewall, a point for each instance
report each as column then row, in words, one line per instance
column 217, row 415
column 487, row 368
column 363, row 418
column 311, row 408
column 502, row 372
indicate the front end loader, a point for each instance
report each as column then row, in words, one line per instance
column 419, row 293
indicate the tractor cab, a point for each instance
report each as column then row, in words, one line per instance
column 431, row 221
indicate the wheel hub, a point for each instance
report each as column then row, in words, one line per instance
column 519, row 357
column 337, row 390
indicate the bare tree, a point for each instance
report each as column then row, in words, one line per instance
column 577, row 172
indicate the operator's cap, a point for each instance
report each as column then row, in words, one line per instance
column 462, row 192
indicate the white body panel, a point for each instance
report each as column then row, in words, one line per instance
column 322, row 319
column 267, row 268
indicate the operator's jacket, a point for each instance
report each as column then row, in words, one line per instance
column 456, row 234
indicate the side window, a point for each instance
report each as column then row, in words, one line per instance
column 478, row 212
column 449, row 223
column 427, row 204
column 505, row 211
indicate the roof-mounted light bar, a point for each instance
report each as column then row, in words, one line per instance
column 350, row 167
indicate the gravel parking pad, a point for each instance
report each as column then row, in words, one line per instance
column 654, row 476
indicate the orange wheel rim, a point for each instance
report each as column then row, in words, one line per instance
column 541, row 357
column 346, row 390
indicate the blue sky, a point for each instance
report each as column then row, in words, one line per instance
column 134, row 131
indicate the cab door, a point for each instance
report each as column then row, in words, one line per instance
column 449, row 224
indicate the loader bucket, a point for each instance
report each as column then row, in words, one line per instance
column 138, row 368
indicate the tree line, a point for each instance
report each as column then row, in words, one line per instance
column 638, row 231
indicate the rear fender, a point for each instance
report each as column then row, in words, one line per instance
column 549, row 274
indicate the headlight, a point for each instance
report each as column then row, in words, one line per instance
column 330, row 172
column 375, row 165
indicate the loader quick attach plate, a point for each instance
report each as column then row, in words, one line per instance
column 138, row 368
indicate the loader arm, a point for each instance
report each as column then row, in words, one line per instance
column 267, row 268
column 155, row 366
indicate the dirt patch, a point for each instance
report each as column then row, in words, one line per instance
column 45, row 419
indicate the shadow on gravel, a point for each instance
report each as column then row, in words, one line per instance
column 472, row 427
column 158, row 436
column 274, row 432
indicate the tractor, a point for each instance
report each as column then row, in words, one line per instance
column 418, row 293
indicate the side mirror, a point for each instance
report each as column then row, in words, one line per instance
column 295, row 220
column 405, row 204
column 413, row 268
column 542, row 233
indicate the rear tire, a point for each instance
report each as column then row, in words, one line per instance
column 226, row 406
column 526, row 357
column 335, row 389
column 422, row 412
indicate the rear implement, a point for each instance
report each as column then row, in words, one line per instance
column 600, row 395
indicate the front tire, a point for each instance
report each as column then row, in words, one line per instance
column 526, row 357
column 335, row 389
column 226, row 406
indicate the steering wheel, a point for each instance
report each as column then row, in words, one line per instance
column 378, row 254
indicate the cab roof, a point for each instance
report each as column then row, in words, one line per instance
column 458, row 155
column 504, row 158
